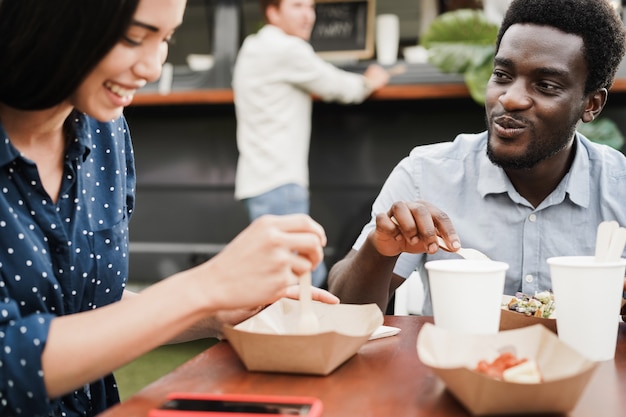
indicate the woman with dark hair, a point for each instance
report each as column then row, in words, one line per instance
column 67, row 183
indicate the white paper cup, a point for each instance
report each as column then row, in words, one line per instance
column 387, row 38
column 467, row 294
column 588, row 298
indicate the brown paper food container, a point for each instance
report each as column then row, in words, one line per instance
column 269, row 341
column 513, row 320
column 565, row 372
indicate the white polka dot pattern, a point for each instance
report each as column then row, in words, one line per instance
column 63, row 258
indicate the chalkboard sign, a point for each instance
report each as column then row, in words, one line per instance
column 344, row 29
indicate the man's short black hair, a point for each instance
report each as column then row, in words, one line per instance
column 595, row 21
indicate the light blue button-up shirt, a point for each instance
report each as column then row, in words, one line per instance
column 491, row 216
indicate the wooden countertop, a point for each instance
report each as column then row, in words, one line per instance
column 389, row 92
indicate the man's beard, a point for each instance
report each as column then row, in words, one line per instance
column 536, row 152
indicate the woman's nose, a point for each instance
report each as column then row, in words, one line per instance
column 150, row 64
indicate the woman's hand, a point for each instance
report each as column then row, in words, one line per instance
column 317, row 294
column 259, row 265
column 234, row 317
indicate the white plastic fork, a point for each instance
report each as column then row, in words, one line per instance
column 616, row 246
column 603, row 239
column 467, row 253
column 308, row 322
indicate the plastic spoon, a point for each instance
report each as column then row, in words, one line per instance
column 616, row 246
column 308, row 322
column 466, row 253
column 603, row 239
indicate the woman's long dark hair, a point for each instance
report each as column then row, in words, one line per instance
column 48, row 47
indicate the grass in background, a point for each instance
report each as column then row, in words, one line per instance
column 153, row 365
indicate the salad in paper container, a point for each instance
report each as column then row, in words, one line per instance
column 521, row 310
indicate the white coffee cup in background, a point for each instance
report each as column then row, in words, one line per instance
column 467, row 294
column 387, row 38
column 588, row 299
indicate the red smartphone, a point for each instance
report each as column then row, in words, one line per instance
column 181, row 404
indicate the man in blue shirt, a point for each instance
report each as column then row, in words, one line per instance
column 528, row 188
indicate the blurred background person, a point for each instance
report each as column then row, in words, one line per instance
column 275, row 75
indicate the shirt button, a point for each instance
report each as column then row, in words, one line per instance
column 529, row 278
column 532, row 217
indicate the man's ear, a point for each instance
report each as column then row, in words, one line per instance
column 595, row 104
column 272, row 14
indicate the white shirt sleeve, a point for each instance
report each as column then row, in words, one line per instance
column 310, row 72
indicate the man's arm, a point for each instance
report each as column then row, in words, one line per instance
column 364, row 276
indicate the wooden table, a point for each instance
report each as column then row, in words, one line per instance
column 384, row 379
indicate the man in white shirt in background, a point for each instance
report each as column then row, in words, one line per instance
column 276, row 73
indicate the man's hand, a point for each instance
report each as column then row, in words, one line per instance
column 376, row 77
column 413, row 227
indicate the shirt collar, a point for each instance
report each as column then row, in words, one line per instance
column 577, row 182
column 81, row 141
column 493, row 180
column 8, row 152
column 79, row 146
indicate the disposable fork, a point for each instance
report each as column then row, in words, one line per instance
column 308, row 322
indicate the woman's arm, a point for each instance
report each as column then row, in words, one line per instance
column 255, row 269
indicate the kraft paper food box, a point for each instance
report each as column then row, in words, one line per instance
column 269, row 341
column 512, row 320
column 565, row 372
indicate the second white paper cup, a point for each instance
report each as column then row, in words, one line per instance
column 387, row 38
column 467, row 294
column 588, row 298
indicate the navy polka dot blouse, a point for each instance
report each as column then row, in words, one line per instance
column 62, row 258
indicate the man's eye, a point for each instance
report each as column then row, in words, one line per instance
column 499, row 76
column 548, row 87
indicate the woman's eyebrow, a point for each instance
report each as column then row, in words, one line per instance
column 145, row 26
